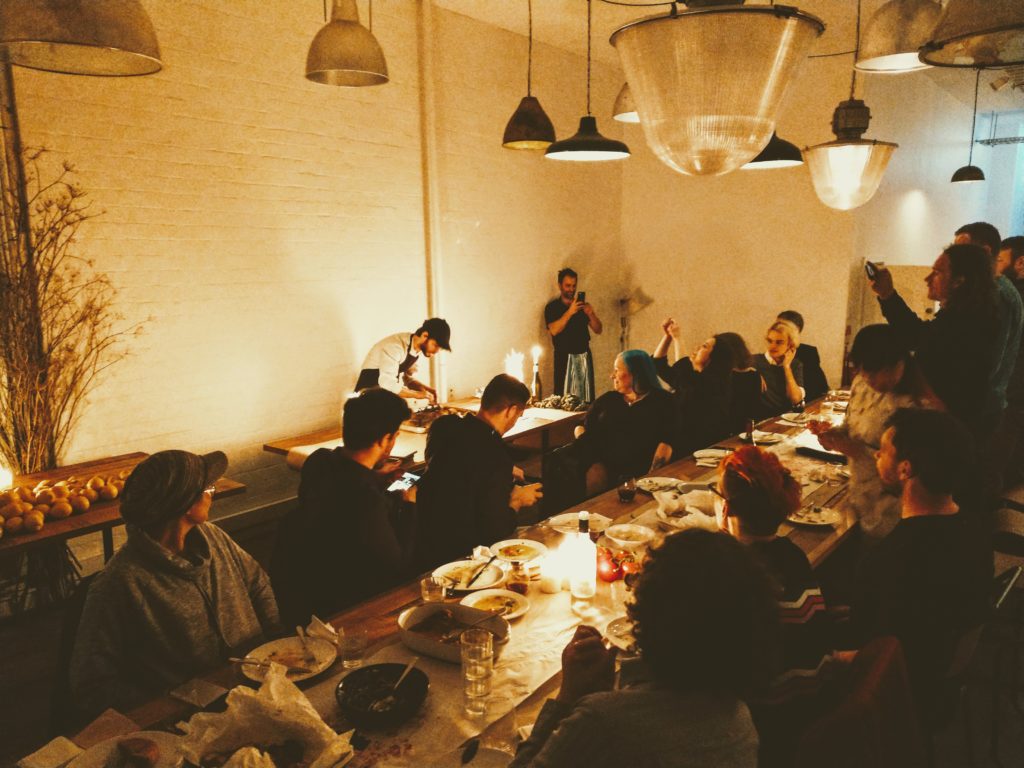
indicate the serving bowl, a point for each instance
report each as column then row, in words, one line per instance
column 368, row 698
column 429, row 644
column 629, row 536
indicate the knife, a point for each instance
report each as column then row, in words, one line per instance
column 480, row 570
column 470, row 750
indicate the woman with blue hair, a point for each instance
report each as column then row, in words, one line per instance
column 627, row 433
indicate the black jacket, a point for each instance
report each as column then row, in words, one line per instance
column 815, row 383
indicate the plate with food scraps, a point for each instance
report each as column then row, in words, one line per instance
column 653, row 484
column 503, row 602
column 797, row 418
column 569, row 522
column 518, row 550
column 817, row 516
column 711, row 453
column 158, row 748
column 290, row 653
column 461, row 572
column 768, row 438
column 619, row 633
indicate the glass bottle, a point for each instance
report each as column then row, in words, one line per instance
column 583, row 564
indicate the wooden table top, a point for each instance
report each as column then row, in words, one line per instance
column 99, row 516
column 529, row 425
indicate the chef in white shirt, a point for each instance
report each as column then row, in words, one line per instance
column 392, row 361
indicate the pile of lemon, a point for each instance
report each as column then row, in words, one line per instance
column 26, row 510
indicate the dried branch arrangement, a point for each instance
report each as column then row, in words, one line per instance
column 58, row 328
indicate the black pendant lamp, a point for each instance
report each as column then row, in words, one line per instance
column 970, row 172
column 529, row 127
column 588, row 145
column 777, row 153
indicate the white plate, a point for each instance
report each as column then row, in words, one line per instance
column 569, row 522
column 768, row 438
column 288, row 652
column 620, row 634
column 824, row 516
column 461, row 571
column 797, row 418
column 99, row 755
column 652, row 484
column 519, row 550
column 711, row 453
column 492, row 599
column 431, row 645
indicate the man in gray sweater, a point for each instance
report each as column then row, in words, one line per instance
column 176, row 600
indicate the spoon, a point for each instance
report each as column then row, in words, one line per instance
column 406, row 671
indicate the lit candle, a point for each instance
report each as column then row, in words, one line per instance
column 551, row 574
column 514, row 364
column 6, row 477
column 536, row 355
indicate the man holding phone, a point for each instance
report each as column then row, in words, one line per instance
column 569, row 320
column 347, row 540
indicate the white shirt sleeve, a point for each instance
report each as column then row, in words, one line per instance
column 386, row 356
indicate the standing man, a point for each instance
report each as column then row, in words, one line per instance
column 392, row 361
column 570, row 320
column 1010, row 264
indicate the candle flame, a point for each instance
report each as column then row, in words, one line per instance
column 6, row 477
column 536, row 353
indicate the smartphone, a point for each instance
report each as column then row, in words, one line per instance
column 405, row 482
column 871, row 270
column 582, row 296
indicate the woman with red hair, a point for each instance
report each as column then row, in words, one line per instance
column 759, row 493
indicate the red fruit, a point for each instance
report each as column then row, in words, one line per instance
column 608, row 569
column 631, row 566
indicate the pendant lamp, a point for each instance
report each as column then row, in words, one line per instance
column 529, row 127
column 709, row 80
column 588, row 145
column 970, row 172
column 112, row 38
column 977, row 33
column 344, row 52
column 625, row 109
column 846, row 172
column 778, row 153
column 894, row 34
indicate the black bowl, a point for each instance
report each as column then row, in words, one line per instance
column 366, row 698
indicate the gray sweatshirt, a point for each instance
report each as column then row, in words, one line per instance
column 153, row 619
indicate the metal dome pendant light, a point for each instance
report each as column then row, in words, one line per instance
column 893, row 35
column 846, row 172
column 529, row 127
column 344, row 52
column 588, row 145
column 977, row 33
column 708, row 81
column 778, row 153
column 110, row 38
column 970, row 172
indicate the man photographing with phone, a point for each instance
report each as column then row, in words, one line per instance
column 569, row 320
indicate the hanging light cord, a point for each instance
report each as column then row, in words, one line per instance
column 974, row 119
column 856, row 53
column 325, row 10
column 371, row 16
column 589, row 6
column 529, row 55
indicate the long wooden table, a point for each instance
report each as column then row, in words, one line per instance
column 102, row 516
column 378, row 615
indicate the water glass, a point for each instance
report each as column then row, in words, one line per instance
column 477, row 669
column 352, row 647
column 433, row 589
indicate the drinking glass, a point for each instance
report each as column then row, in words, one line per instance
column 477, row 669
column 433, row 589
column 352, row 646
column 627, row 489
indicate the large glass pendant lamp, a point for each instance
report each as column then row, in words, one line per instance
column 588, row 145
column 708, row 81
column 624, row 109
column 893, row 35
column 112, row 38
column 977, row 33
column 529, row 127
column 970, row 172
column 344, row 52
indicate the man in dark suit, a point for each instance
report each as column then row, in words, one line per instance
column 815, row 383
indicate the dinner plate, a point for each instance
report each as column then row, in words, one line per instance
column 100, row 755
column 711, row 453
column 569, row 522
column 768, row 438
column 518, row 550
column 461, row 571
column 493, row 600
column 288, row 652
column 652, row 484
column 819, row 517
column 797, row 418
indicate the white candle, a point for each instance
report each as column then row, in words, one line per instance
column 536, row 354
column 6, row 477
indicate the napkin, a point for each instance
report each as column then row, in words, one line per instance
column 108, row 725
column 323, row 630
column 58, row 752
column 199, row 693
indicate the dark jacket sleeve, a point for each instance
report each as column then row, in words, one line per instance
column 901, row 317
column 664, row 370
column 496, row 520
